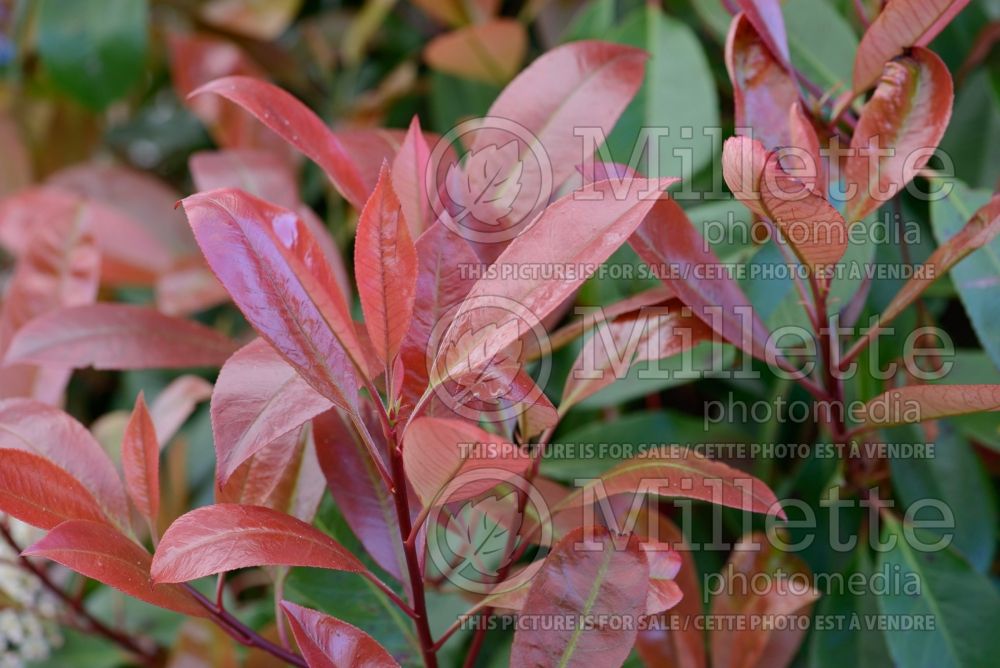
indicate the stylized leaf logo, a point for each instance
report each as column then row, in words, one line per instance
column 469, row 366
column 484, row 537
column 489, row 183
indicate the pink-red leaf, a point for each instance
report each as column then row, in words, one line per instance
column 141, row 461
column 49, row 432
column 604, row 582
column 36, row 491
column 326, row 642
column 766, row 17
column 258, row 398
column 901, row 24
column 227, row 537
column 277, row 275
column 118, row 336
column 898, row 130
column 490, row 52
column 259, row 173
column 174, row 405
column 103, row 553
column 385, row 267
column 452, row 460
column 916, row 403
column 410, row 178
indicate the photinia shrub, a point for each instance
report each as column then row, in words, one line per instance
column 430, row 454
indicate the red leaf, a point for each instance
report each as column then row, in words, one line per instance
column 385, row 267
column 189, row 290
column 118, row 336
column 103, row 553
column 326, row 642
column 908, row 113
column 490, row 52
column 743, row 161
column 802, row 136
column 358, row 489
column 667, row 240
column 258, row 399
column 766, row 17
column 747, row 644
column 259, row 173
column 763, row 89
column 227, row 537
column 174, row 405
column 303, row 129
column 410, row 178
column 436, row 451
column 442, row 284
column 902, row 23
column 49, row 432
column 579, row 230
column 141, row 462
column 36, row 491
column 916, row 403
column 606, row 581
column 277, row 275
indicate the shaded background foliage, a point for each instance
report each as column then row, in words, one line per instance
column 104, row 82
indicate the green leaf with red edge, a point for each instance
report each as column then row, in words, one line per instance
column 763, row 88
column 385, row 268
column 452, row 460
column 917, row 403
column 118, row 336
column 652, row 333
column 327, row 642
column 258, row 398
column 667, row 240
column 350, row 170
column 358, row 489
column 908, row 113
column 675, row 471
column 581, row 229
column 103, row 553
column 277, row 275
column 490, row 52
column 226, row 537
column 141, row 461
column 602, row 579
column 746, row 644
column 901, row 24
column 49, row 432
column 410, row 170
column 36, row 491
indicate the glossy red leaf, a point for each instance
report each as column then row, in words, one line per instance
column 175, row 404
column 490, row 52
column 907, row 114
column 410, row 178
column 746, row 645
column 743, row 161
column 141, row 461
column 36, row 491
column 259, row 173
column 385, row 267
column 258, row 399
column 578, row 230
column 303, row 129
column 277, row 275
column 49, row 432
column 901, row 24
column 766, row 17
column 916, row 403
column 763, row 88
column 608, row 580
column 808, row 161
column 678, row 471
column 666, row 241
column 103, row 553
column 326, row 642
column 118, row 336
column 650, row 334
column 227, row 537
column 437, row 451
column 358, row 489
column 440, row 287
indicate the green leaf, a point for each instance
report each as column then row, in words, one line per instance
column 94, row 50
column 821, row 42
column 955, row 477
column 976, row 277
column 678, row 94
column 962, row 605
column 973, row 136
